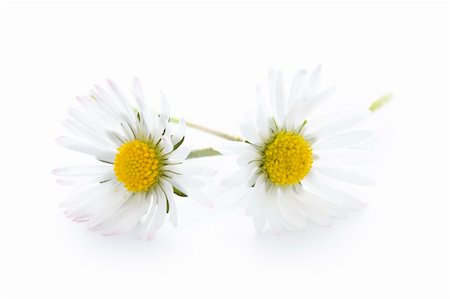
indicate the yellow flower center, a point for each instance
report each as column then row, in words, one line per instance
column 287, row 158
column 137, row 165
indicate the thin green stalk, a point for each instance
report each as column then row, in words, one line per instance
column 380, row 102
column 209, row 131
column 210, row 152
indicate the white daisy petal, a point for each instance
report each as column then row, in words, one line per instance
column 86, row 120
column 136, row 208
column 149, row 217
column 107, row 214
column 176, row 184
column 121, row 100
column 279, row 97
column 107, row 107
column 313, row 82
column 168, row 191
column 271, row 76
column 115, row 138
column 158, row 126
column 85, row 133
column 180, row 154
column 106, row 156
column 247, row 158
column 79, row 181
column 236, row 178
column 272, row 211
column 184, row 169
column 343, row 140
column 140, row 100
column 77, row 146
column 166, row 145
column 180, row 131
column 313, row 214
column 259, row 221
column 84, row 193
column 348, row 157
column 141, row 207
column 321, row 204
column 250, row 134
column 89, row 206
column 345, row 175
column 304, row 109
column 290, row 208
column 252, row 203
column 190, row 182
column 165, row 109
column 296, row 86
column 65, row 182
column 233, row 147
column 339, row 197
column 158, row 216
column 197, row 195
column 208, row 172
column 341, row 125
column 127, row 131
column 315, row 102
column 162, row 208
column 82, row 170
column 262, row 118
column 137, row 88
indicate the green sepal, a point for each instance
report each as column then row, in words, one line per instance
column 178, row 144
column 178, row 192
column 303, row 125
column 204, row 152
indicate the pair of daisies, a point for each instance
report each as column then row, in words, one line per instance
column 140, row 168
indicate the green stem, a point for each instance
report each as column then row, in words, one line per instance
column 209, row 151
column 208, row 130
column 203, row 152
column 380, row 102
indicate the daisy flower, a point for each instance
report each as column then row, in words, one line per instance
column 139, row 168
column 288, row 155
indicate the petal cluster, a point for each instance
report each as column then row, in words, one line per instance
column 139, row 160
column 300, row 180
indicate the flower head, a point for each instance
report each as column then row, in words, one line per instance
column 139, row 169
column 288, row 154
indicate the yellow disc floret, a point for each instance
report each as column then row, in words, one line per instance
column 137, row 165
column 287, row 158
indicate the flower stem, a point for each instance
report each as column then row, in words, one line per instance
column 380, row 102
column 209, row 130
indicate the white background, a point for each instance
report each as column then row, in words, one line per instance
column 208, row 59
